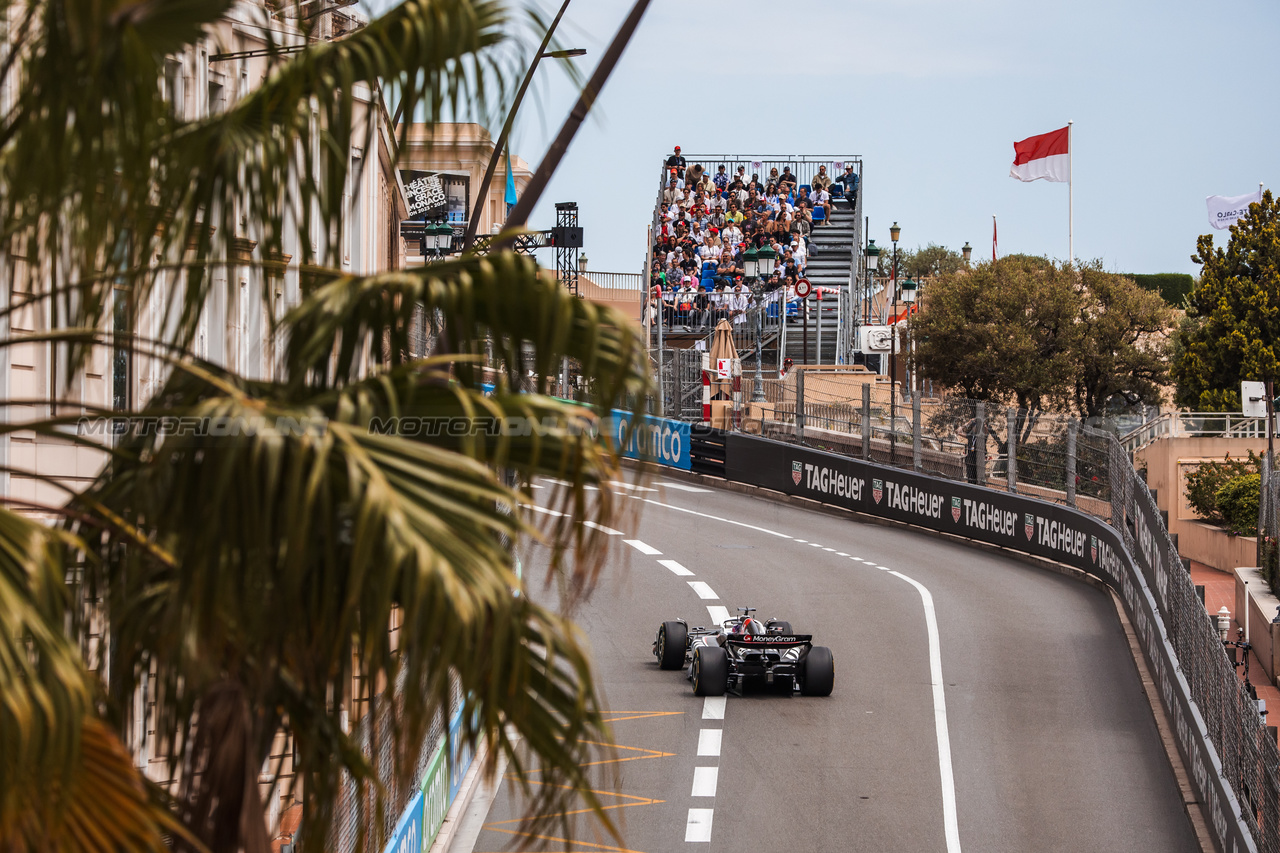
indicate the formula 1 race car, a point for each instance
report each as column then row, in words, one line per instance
column 743, row 652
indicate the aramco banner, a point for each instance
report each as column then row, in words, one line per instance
column 653, row 439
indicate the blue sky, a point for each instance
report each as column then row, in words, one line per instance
column 1172, row 101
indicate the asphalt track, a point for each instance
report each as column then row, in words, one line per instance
column 1052, row 744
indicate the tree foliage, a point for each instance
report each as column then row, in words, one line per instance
column 1233, row 314
column 250, row 577
column 1207, row 478
column 1025, row 331
column 932, row 260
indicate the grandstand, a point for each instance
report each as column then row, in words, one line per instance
column 710, row 210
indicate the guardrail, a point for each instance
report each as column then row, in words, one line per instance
column 615, row 280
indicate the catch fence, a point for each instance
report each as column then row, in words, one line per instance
column 1059, row 459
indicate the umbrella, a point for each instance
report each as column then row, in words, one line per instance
column 722, row 348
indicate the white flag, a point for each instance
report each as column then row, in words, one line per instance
column 1225, row 211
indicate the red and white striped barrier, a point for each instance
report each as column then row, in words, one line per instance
column 706, row 388
column 737, row 394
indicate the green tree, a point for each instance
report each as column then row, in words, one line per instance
column 1121, row 345
column 247, row 577
column 1002, row 331
column 1233, row 314
column 932, row 260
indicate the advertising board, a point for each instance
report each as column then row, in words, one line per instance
column 653, row 439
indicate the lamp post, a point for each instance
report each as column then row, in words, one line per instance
column 437, row 241
column 894, row 232
column 966, row 250
column 871, row 255
column 910, row 294
column 582, row 262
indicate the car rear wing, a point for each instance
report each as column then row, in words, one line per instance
column 769, row 639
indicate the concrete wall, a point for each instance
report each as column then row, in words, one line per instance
column 1263, row 633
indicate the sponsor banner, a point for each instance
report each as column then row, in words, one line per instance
column 459, row 757
column 1034, row 527
column 408, row 835
column 654, row 439
column 435, row 797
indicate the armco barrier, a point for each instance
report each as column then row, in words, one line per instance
column 1034, row 527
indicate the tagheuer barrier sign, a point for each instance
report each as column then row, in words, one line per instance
column 1031, row 526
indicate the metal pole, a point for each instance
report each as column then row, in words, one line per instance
column 1011, row 450
column 662, row 363
column 866, row 421
column 800, row 405
column 1072, row 427
column 757, row 393
column 804, row 304
column 980, row 416
column 1071, row 216
column 915, row 431
column 500, row 143
column 817, row 344
column 893, row 362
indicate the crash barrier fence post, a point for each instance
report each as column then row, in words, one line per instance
column 737, row 394
column 1233, row 761
column 800, row 405
column 980, row 451
column 1072, row 427
column 706, row 388
column 866, row 420
column 1011, row 450
column 915, row 431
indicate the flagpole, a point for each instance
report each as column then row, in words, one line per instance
column 1071, row 213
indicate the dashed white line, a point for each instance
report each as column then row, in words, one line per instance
column 713, row 708
column 716, row 518
column 647, row 550
column 841, row 554
column 608, row 531
column 704, row 781
column 698, row 827
column 709, row 742
column 675, row 567
column 719, row 614
column 814, row 545
column 704, row 591
column 829, row 549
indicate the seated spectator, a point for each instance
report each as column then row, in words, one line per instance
column 672, row 193
column 731, row 234
column 787, row 181
column 669, row 305
column 850, row 181
column 721, row 179
column 800, row 252
column 706, row 185
column 675, row 161
column 821, row 180
column 822, row 199
column 773, row 175
column 738, row 304
column 800, row 225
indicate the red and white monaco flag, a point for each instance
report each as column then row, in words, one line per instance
column 1044, row 156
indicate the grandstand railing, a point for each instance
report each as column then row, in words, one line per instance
column 615, row 280
column 1194, row 425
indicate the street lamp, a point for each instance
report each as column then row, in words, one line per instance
column 966, row 250
column 872, row 256
column 910, row 293
column 750, row 264
column 582, row 262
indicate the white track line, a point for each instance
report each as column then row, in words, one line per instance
column 681, row 487
column 704, row 781
column 713, row 708
column 704, row 590
column 709, row 742
column 715, row 518
column 647, row 550
column 675, row 568
column 949, row 820
column 698, row 827
column 608, row 531
column 719, row 614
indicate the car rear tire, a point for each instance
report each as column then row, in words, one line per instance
column 781, row 626
column 819, row 672
column 710, row 671
column 673, row 638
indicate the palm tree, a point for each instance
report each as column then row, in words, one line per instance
column 242, row 577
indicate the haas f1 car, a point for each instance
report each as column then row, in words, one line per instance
column 746, row 652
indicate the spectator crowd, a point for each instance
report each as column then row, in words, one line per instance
column 708, row 223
